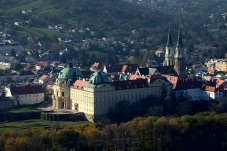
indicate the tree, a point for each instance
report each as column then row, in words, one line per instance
column 66, row 138
column 8, row 79
column 163, row 92
column 12, row 52
column 63, row 59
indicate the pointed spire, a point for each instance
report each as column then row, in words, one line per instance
column 179, row 41
column 169, row 41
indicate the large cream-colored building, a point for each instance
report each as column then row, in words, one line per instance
column 95, row 97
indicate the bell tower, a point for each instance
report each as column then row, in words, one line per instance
column 179, row 59
column 169, row 54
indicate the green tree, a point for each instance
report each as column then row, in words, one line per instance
column 66, row 138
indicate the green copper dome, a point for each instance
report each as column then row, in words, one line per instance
column 99, row 77
column 70, row 73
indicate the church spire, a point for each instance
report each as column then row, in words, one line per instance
column 179, row 41
column 169, row 41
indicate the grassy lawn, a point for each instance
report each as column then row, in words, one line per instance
column 25, row 109
column 45, row 31
column 38, row 123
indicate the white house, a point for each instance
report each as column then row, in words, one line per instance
column 211, row 92
column 25, row 95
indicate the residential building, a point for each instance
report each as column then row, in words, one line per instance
column 6, row 47
column 45, row 79
column 25, row 94
column 25, row 76
column 7, row 65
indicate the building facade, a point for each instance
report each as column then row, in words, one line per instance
column 25, row 95
column 95, row 97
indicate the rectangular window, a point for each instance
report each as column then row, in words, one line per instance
column 62, row 94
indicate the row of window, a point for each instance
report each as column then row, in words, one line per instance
column 29, row 95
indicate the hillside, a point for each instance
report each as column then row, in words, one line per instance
column 100, row 15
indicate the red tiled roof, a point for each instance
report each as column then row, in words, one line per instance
column 212, row 71
column 124, row 68
column 80, row 84
column 221, row 82
column 152, row 78
column 43, row 77
column 208, row 78
column 134, row 77
column 28, row 89
column 211, row 89
column 50, row 83
column 42, row 64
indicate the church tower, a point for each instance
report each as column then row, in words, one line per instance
column 169, row 55
column 179, row 59
column 61, row 95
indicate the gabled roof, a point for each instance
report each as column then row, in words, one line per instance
column 153, row 78
column 43, row 77
column 210, row 89
column 212, row 71
column 184, row 84
column 24, row 73
column 50, row 83
column 28, row 89
column 211, row 82
column 130, row 84
column 166, row 70
column 131, row 68
column 221, row 83
column 80, row 84
column 209, row 78
column 147, row 71
column 134, row 77
column 143, row 71
column 113, row 68
column 42, row 64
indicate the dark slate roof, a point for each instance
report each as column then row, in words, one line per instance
column 144, row 71
column 166, row 69
column 114, row 68
column 23, row 73
column 153, row 78
column 130, row 84
column 184, row 84
column 28, row 89
column 211, row 82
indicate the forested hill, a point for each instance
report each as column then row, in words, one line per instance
column 99, row 14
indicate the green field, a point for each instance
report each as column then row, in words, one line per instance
column 38, row 123
column 25, row 109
